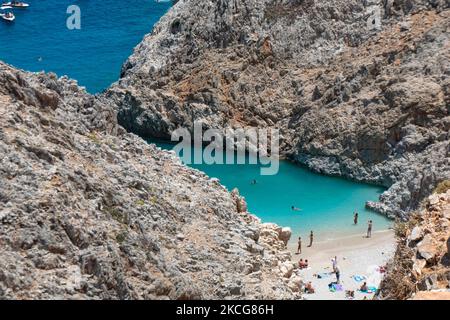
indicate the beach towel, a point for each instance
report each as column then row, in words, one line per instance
column 336, row 287
column 358, row 278
column 369, row 290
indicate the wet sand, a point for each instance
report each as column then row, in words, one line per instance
column 357, row 255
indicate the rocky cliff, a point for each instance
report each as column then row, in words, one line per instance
column 88, row 211
column 421, row 268
column 359, row 89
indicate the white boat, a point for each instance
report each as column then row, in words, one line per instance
column 16, row 4
column 5, row 7
column 9, row 16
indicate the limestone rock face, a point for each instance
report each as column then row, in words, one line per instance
column 416, row 234
column 285, row 234
column 427, row 248
column 367, row 102
column 422, row 267
column 88, row 211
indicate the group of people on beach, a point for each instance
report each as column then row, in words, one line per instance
column 369, row 224
column 311, row 235
column 299, row 243
column 304, row 264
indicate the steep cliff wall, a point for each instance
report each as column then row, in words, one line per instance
column 421, row 267
column 88, row 211
column 352, row 96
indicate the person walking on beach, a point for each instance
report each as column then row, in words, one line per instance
column 337, row 271
column 311, row 238
column 334, row 263
column 355, row 218
column 369, row 229
column 299, row 247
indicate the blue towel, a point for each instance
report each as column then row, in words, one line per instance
column 359, row 278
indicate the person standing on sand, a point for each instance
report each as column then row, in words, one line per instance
column 311, row 238
column 369, row 229
column 299, row 247
column 338, row 274
column 355, row 218
column 334, row 263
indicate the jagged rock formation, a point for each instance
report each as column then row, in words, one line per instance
column 421, row 268
column 88, row 211
column 352, row 96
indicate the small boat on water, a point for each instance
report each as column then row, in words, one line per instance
column 16, row 4
column 8, row 16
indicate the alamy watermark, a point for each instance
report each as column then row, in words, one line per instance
column 374, row 20
column 73, row 22
column 229, row 146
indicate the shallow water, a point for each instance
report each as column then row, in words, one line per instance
column 327, row 203
column 39, row 39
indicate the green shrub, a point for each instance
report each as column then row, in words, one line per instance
column 120, row 238
column 442, row 187
column 93, row 137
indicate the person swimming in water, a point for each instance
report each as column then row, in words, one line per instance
column 254, row 181
column 295, row 208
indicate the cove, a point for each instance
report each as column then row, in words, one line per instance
column 39, row 39
column 327, row 203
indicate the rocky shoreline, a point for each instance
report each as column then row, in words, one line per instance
column 421, row 267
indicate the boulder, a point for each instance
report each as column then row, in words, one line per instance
column 295, row 283
column 427, row 248
column 416, row 234
column 285, row 235
column 418, row 265
column 428, row 283
column 286, row 269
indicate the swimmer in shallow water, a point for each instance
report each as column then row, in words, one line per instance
column 295, row 209
column 254, row 181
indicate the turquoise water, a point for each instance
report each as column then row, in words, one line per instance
column 327, row 203
column 110, row 29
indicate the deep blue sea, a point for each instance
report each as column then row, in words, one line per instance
column 39, row 40
column 110, row 29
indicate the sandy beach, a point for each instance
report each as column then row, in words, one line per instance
column 357, row 256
